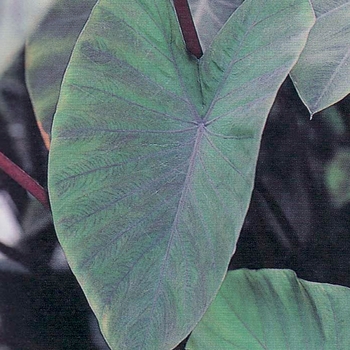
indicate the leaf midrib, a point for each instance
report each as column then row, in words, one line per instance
column 174, row 231
column 199, row 136
column 331, row 79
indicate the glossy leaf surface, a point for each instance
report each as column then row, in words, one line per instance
column 48, row 52
column 274, row 310
column 321, row 75
column 153, row 158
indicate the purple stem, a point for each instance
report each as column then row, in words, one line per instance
column 187, row 27
column 23, row 179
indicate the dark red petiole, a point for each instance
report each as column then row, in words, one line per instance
column 187, row 27
column 23, row 179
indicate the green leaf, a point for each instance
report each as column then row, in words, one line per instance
column 48, row 52
column 209, row 17
column 321, row 75
column 274, row 310
column 153, row 158
column 322, row 7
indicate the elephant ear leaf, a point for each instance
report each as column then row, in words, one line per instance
column 321, row 75
column 153, row 158
column 273, row 309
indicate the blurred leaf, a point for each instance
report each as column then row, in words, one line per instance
column 153, row 158
column 334, row 118
column 273, row 309
column 209, row 17
column 321, row 75
column 338, row 177
column 18, row 19
column 47, row 55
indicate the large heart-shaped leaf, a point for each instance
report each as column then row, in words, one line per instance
column 153, row 158
column 47, row 55
column 321, row 75
column 274, row 310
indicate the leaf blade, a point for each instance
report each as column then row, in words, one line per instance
column 320, row 76
column 273, row 309
column 152, row 163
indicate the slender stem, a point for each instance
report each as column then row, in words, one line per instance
column 188, row 28
column 23, row 179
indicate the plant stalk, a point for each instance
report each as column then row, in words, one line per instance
column 24, row 180
column 188, row 28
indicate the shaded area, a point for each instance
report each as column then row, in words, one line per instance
column 292, row 221
column 41, row 304
column 43, row 311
